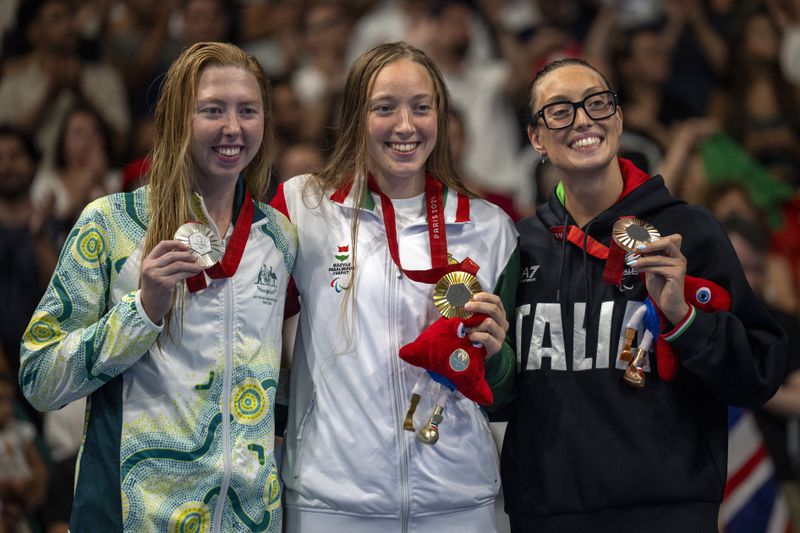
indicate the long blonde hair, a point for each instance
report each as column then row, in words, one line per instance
column 171, row 171
column 349, row 162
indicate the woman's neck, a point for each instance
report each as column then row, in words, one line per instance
column 218, row 202
column 585, row 197
column 398, row 188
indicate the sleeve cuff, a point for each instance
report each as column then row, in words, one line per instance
column 682, row 326
column 143, row 315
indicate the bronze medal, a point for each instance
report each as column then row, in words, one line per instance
column 202, row 242
column 630, row 232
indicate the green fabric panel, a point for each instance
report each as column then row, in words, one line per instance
column 500, row 367
column 98, row 501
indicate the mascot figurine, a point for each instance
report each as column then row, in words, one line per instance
column 451, row 360
column 703, row 294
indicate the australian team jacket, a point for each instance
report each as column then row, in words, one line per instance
column 177, row 436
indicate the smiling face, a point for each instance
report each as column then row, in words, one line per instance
column 587, row 146
column 227, row 124
column 401, row 127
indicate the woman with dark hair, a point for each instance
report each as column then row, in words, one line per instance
column 83, row 168
column 598, row 439
column 376, row 228
column 180, row 378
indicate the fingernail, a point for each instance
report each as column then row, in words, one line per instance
column 631, row 262
column 641, row 246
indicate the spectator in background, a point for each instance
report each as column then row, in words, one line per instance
column 288, row 114
column 642, row 65
column 779, row 419
column 787, row 16
column 410, row 21
column 757, row 106
column 27, row 255
column 23, row 476
column 695, row 33
column 319, row 79
column 63, row 432
column 38, row 88
column 731, row 199
column 297, row 159
column 138, row 44
column 480, row 89
column 82, row 170
column 458, row 143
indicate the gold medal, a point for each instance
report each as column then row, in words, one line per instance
column 453, row 291
column 202, row 242
column 631, row 232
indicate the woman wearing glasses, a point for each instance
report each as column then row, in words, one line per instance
column 585, row 450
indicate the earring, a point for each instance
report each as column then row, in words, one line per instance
column 543, row 160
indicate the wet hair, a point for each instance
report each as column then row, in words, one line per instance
column 7, row 130
column 172, row 169
column 547, row 69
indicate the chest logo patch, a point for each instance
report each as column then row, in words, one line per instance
column 266, row 285
column 528, row 274
column 340, row 269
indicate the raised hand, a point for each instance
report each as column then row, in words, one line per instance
column 168, row 263
column 492, row 331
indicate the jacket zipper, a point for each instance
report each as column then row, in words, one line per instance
column 394, row 349
column 226, row 408
column 301, row 433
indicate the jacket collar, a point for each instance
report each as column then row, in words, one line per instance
column 201, row 213
column 456, row 206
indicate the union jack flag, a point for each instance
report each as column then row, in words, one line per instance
column 753, row 502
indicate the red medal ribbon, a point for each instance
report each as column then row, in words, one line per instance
column 229, row 264
column 612, row 254
column 575, row 235
column 437, row 235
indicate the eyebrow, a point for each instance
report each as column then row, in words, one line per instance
column 420, row 96
column 224, row 102
column 587, row 92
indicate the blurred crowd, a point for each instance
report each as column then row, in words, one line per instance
column 710, row 91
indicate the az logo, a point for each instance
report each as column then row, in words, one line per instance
column 528, row 274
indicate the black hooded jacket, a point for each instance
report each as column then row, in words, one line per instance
column 585, row 451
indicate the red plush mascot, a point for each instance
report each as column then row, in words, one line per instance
column 703, row 294
column 451, row 360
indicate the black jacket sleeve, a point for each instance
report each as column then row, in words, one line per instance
column 741, row 354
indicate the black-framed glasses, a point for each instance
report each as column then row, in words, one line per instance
column 560, row 115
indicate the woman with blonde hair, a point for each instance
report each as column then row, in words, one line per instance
column 180, row 377
column 376, row 227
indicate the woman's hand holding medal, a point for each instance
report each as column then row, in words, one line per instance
column 167, row 264
column 492, row 331
column 664, row 267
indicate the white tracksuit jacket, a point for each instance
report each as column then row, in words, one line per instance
column 346, row 454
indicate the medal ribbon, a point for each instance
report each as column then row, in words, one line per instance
column 229, row 264
column 613, row 254
column 437, row 235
